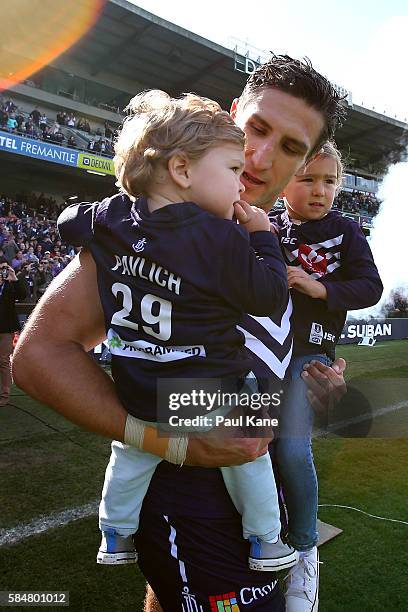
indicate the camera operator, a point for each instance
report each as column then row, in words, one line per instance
column 11, row 289
column 46, row 275
column 32, row 278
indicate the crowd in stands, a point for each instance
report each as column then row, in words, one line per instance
column 30, row 242
column 357, row 203
column 37, row 125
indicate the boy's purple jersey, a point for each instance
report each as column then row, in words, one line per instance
column 174, row 285
column 335, row 252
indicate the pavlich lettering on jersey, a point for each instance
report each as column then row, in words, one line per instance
column 140, row 349
column 368, row 329
column 148, row 270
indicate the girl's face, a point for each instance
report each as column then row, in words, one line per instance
column 310, row 193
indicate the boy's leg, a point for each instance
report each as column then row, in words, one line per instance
column 252, row 489
column 127, row 479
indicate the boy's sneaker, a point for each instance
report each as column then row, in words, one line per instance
column 302, row 590
column 267, row 557
column 116, row 549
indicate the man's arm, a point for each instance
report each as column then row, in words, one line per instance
column 51, row 364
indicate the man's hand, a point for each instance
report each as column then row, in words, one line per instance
column 254, row 219
column 326, row 384
column 301, row 280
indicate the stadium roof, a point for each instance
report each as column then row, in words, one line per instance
column 136, row 44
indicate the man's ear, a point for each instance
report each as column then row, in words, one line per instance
column 234, row 107
column 179, row 166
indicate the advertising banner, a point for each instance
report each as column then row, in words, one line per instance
column 95, row 163
column 38, row 149
column 357, row 331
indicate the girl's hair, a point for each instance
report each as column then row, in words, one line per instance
column 159, row 127
column 328, row 149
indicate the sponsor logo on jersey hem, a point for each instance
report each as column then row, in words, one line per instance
column 249, row 595
column 140, row 349
column 226, row 602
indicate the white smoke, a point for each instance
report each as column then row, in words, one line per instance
column 389, row 239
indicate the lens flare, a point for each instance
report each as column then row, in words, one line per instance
column 34, row 32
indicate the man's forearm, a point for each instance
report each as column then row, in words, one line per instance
column 68, row 380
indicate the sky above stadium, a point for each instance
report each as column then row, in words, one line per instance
column 359, row 44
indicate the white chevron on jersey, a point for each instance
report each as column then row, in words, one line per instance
column 278, row 332
column 260, row 350
column 314, row 257
column 327, row 243
column 263, row 348
column 292, row 255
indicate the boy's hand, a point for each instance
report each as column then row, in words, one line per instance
column 254, row 219
column 300, row 280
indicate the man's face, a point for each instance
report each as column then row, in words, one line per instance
column 280, row 131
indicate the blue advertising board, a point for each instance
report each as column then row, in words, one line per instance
column 38, row 149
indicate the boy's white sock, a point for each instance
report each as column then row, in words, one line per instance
column 273, row 541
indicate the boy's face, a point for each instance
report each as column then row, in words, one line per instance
column 281, row 130
column 215, row 179
column 309, row 194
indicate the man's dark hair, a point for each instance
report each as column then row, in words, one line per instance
column 299, row 79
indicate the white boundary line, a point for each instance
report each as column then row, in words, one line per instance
column 13, row 535
column 41, row 524
column 359, row 419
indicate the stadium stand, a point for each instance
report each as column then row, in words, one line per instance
column 30, row 242
column 75, row 104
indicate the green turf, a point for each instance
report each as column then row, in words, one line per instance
column 43, row 471
column 64, row 560
column 383, row 359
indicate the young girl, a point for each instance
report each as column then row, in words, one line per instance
column 175, row 276
column 330, row 271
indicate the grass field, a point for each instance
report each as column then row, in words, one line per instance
column 48, row 465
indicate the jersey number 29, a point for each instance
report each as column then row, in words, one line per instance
column 149, row 302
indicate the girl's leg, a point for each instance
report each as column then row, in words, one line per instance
column 295, row 458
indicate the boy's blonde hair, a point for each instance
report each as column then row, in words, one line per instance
column 159, row 127
column 329, row 149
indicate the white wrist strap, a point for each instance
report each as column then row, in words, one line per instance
column 174, row 450
column 134, row 432
column 177, row 450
